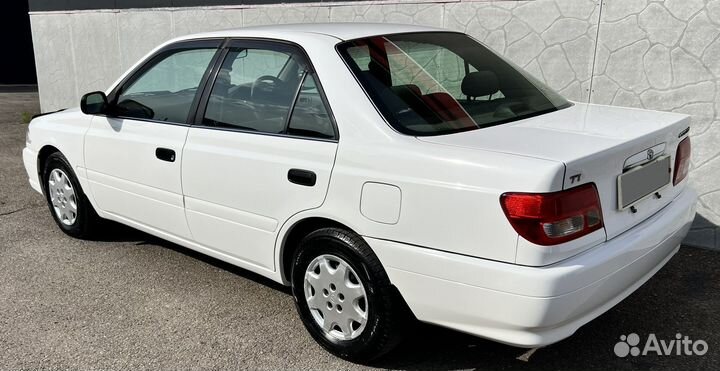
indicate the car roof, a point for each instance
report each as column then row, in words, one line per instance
column 341, row 31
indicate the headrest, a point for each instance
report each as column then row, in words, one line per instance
column 480, row 84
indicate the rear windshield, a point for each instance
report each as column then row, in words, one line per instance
column 436, row 83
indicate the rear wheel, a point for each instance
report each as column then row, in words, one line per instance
column 336, row 297
column 344, row 296
column 68, row 205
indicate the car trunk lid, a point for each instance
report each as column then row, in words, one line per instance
column 596, row 144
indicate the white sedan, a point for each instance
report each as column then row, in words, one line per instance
column 385, row 172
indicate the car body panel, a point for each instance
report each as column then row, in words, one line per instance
column 236, row 188
column 65, row 131
column 594, row 142
column 450, row 196
column 125, row 175
column 530, row 306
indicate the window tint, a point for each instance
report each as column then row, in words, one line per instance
column 165, row 91
column 444, row 82
column 255, row 89
column 310, row 117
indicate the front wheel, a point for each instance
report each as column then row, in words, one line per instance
column 344, row 296
column 68, row 204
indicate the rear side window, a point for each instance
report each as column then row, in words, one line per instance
column 268, row 88
column 442, row 82
column 165, row 90
column 244, row 66
column 254, row 90
column 310, row 117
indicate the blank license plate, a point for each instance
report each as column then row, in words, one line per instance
column 642, row 181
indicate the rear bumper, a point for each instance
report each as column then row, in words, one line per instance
column 534, row 306
column 30, row 162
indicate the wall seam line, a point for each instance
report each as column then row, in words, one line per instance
column 117, row 37
column 74, row 57
column 597, row 42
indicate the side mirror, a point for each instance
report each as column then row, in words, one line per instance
column 94, row 103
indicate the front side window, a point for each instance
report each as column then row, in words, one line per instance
column 442, row 82
column 165, row 91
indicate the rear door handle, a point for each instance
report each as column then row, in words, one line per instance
column 302, row 177
column 165, row 154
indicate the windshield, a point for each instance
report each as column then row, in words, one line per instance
column 435, row 83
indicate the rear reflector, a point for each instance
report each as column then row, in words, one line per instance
column 682, row 161
column 553, row 218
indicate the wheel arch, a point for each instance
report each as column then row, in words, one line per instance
column 48, row 149
column 42, row 157
column 295, row 233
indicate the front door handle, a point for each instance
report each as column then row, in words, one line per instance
column 302, row 177
column 165, row 154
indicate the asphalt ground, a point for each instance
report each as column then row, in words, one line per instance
column 132, row 301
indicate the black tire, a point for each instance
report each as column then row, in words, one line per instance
column 387, row 315
column 87, row 221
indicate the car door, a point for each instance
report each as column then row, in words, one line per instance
column 262, row 149
column 134, row 154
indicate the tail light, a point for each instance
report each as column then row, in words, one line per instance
column 682, row 161
column 553, row 218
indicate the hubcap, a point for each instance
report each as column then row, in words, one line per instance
column 336, row 297
column 62, row 197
